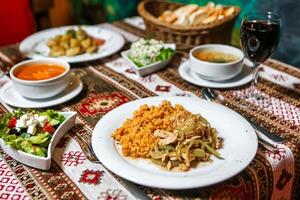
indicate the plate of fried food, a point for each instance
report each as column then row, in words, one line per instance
column 72, row 43
column 174, row 142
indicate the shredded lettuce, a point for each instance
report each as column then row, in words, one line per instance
column 53, row 117
column 165, row 53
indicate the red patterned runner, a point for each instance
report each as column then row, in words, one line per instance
column 10, row 187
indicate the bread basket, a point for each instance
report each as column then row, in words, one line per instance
column 185, row 37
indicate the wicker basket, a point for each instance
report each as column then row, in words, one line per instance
column 185, row 37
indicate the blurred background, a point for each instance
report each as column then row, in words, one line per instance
column 20, row 18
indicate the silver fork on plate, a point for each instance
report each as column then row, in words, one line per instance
column 211, row 95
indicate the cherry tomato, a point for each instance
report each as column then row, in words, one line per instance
column 49, row 128
column 12, row 123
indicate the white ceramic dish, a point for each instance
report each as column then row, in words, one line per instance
column 239, row 136
column 41, row 89
column 35, row 46
column 244, row 77
column 148, row 69
column 216, row 71
column 10, row 96
column 38, row 162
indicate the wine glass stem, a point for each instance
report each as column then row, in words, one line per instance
column 253, row 94
column 255, row 75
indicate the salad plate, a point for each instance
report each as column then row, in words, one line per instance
column 163, row 59
column 244, row 77
column 237, row 137
column 34, row 153
column 35, row 46
column 8, row 92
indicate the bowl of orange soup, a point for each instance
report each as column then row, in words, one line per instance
column 216, row 62
column 40, row 78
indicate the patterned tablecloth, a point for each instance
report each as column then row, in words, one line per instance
column 111, row 82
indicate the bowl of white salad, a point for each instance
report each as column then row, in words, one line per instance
column 149, row 55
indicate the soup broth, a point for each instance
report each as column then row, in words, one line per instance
column 37, row 72
column 215, row 56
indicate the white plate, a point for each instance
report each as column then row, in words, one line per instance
column 148, row 69
column 35, row 46
column 242, row 78
column 240, row 146
column 43, row 163
column 11, row 97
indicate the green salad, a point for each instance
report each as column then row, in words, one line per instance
column 147, row 51
column 30, row 131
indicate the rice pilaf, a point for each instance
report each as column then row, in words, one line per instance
column 136, row 134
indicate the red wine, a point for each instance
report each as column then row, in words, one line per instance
column 259, row 39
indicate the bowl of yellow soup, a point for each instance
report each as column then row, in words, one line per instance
column 216, row 62
column 40, row 78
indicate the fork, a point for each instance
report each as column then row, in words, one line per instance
column 93, row 155
column 210, row 95
column 88, row 150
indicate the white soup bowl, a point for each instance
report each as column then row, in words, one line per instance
column 216, row 71
column 41, row 89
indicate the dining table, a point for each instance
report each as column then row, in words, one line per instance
column 111, row 82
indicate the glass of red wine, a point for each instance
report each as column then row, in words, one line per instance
column 260, row 34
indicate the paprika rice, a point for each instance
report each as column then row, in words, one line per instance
column 136, row 135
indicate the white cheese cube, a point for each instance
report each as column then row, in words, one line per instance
column 42, row 120
column 21, row 123
column 36, row 116
column 31, row 129
column 31, row 121
column 26, row 116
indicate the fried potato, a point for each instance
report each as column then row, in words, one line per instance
column 64, row 45
column 86, row 43
column 57, row 51
column 74, row 43
column 57, row 38
column 91, row 49
column 51, row 42
column 73, row 51
column 65, row 38
column 81, row 34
